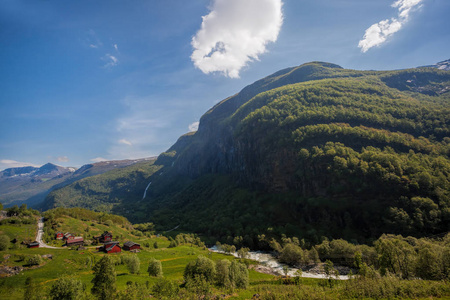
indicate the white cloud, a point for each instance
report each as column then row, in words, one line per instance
column 379, row 32
column 98, row 159
column 63, row 159
column 116, row 47
column 194, row 126
column 111, row 60
column 234, row 33
column 125, row 142
column 8, row 163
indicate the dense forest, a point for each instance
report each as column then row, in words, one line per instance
column 314, row 151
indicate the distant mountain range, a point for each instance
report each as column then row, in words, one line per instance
column 31, row 185
column 443, row 65
column 310, row 151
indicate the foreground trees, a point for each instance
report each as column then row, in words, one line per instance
column 105, row 279
column 223, row 273
column 68, row 289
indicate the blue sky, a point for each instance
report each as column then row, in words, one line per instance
column 82, row 81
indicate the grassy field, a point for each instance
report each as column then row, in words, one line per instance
column 79, row 264
column 21, row 232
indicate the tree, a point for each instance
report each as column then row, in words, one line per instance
column 133, row 263
column 165, row 288
column 134, row 291
column 155, row 268
column 201, row 267
column 239, row 275
column 67, row 288
column 243, row 252
column 4, row 242
column 223, row 273
column 105, row 279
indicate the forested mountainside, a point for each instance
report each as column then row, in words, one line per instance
column 311, row 151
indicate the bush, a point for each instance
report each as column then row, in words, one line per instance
column 4, row 242
column 34, row 260
column 201, row 267
column 67, row 288
column 165, row 288
column 155, row 268
column 133, row 263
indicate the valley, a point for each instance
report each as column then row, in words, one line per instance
column 314, row 168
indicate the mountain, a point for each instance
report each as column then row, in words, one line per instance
column 443, row 65
column 311, row 151
column 31, row 185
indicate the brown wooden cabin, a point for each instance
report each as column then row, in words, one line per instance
column 105, row 237
column 131, row 246
column 75, row 241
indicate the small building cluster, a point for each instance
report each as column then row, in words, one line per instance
column 71, row 239
column 106, row 238
column 110, row 246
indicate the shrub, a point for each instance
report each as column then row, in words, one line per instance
column 4, row 242
column 155, row 268
column 165, row 288
column 34, row 260
column 201, row 267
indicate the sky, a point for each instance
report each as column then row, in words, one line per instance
column 85, row 81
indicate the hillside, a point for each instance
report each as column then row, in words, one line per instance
column 103, row 192
column 311, row 151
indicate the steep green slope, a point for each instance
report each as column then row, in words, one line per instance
column 352, row 156
column 312, row 151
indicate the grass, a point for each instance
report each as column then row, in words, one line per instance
column 21, row 232
column 78, row 264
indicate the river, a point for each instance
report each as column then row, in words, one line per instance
column 268, row 260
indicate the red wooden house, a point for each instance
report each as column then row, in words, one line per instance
column 59, row 235
column 106, row 237
column 33, row 245
column 75, row 241
column 131, row 246
column 68, row 236
column 110, row 247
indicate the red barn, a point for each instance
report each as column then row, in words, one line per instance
column 68, row 236
column 59, row 235
column 106, row 237
column 111, row 247
column 131, row 246
column 75, row 241
column 33, row 245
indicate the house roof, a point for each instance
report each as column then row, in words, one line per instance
column 76, row 240
column 130, row 244
column 33, row 243
column 110, row 246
